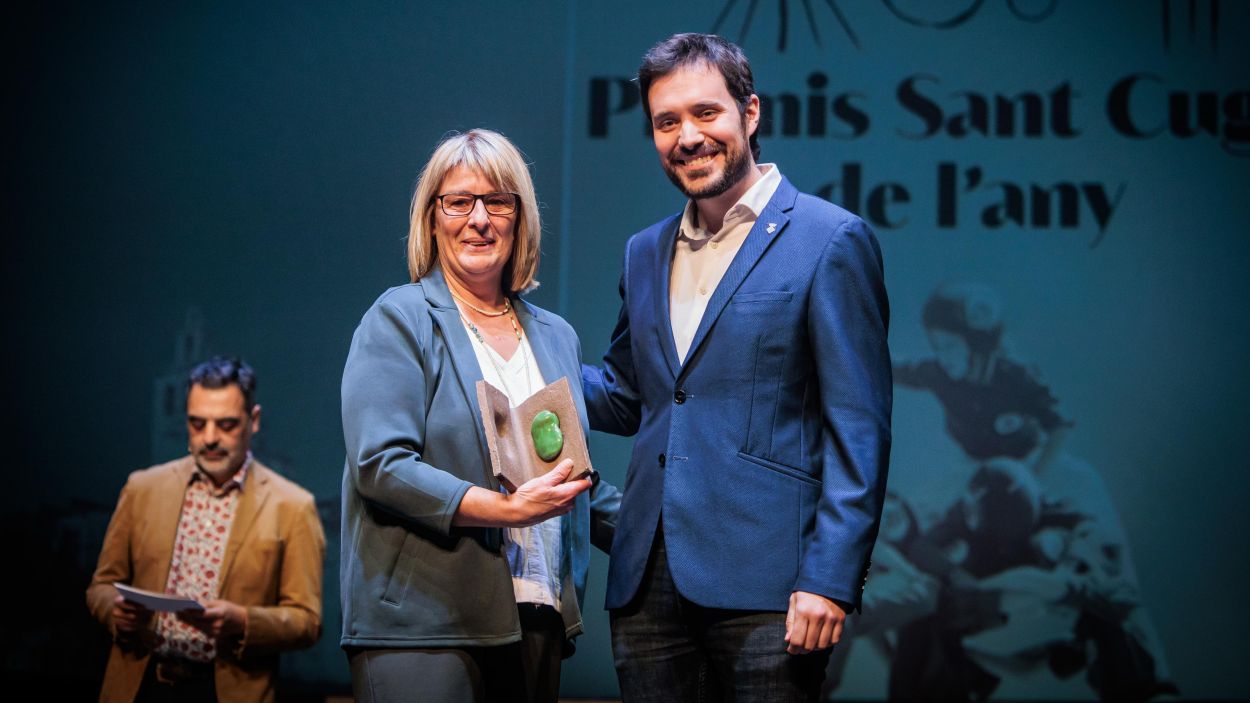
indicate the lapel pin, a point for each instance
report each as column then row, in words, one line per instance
column 772, row 227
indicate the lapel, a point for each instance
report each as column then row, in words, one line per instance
column 757, row 241
column 463, row 359
column 663, row 269
column 537, row 331
column 163, row 527
column 252, row 498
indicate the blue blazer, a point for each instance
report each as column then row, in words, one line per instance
column 415, row 445
column 767, row 450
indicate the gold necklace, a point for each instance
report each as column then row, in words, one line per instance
column 516, row 330
column 507, row 306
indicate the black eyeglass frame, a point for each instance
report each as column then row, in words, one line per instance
column 516, row 203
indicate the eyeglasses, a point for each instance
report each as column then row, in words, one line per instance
column 461, row 204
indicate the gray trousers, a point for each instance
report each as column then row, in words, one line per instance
column 523, row 672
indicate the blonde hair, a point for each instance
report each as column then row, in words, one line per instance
column 500, row 162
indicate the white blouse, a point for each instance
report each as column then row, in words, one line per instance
column 533, row 552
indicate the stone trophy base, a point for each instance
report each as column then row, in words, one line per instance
column 510, row 434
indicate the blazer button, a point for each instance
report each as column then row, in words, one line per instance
column 679, row 397
column 661, row 460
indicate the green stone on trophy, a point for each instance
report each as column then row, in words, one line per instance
column 548, row 439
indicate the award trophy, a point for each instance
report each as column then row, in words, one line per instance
column 529, row 440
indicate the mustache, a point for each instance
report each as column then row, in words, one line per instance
column 705, row 149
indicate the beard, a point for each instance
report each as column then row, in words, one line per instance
column 737, row 165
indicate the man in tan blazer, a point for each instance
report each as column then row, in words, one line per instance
column 221, row 528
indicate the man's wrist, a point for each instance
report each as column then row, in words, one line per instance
column 240, row 637
column 242, row 622
column 846, row 606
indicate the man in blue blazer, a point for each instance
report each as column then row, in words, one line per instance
column 750, row 360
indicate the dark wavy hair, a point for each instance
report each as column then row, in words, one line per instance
column 682, row 50
column 221, row 371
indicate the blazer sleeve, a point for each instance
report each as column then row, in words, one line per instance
column 295, row 620
column 848, row 320
column 613, row 404
column 114, row 564
column 384, row 409
column 605, row 505
column 605, row 498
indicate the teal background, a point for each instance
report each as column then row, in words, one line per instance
column 250, row 165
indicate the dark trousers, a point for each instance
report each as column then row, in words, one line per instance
column 667, row 648
column 523, row 672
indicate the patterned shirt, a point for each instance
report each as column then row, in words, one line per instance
column 195, row 569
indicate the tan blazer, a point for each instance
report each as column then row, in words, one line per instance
column 272, row 566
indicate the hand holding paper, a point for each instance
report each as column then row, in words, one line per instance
column 157, row 602
column 217, row 618
column 129, row 616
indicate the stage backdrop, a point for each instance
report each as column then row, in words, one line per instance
column 1059, row 189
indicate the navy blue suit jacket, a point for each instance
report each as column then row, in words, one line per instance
column 767, row 450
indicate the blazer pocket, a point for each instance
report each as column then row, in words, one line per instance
column 765, row 296
column 401, row 574
column 782, row 469
column 253, row 574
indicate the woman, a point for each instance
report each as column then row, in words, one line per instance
column 452, row 589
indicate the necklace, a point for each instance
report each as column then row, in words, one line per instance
column 513, row 398
column 477, row 333
column 507, row 306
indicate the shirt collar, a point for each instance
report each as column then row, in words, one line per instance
column 236, row 481
column 748, row 207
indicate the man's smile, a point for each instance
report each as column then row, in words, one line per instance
column 694, row 162
column 700, row 161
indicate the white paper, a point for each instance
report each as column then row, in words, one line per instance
column 159, row 602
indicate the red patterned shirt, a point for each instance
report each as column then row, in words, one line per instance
column 195, row 570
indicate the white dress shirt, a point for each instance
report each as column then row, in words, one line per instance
column 700, row 258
